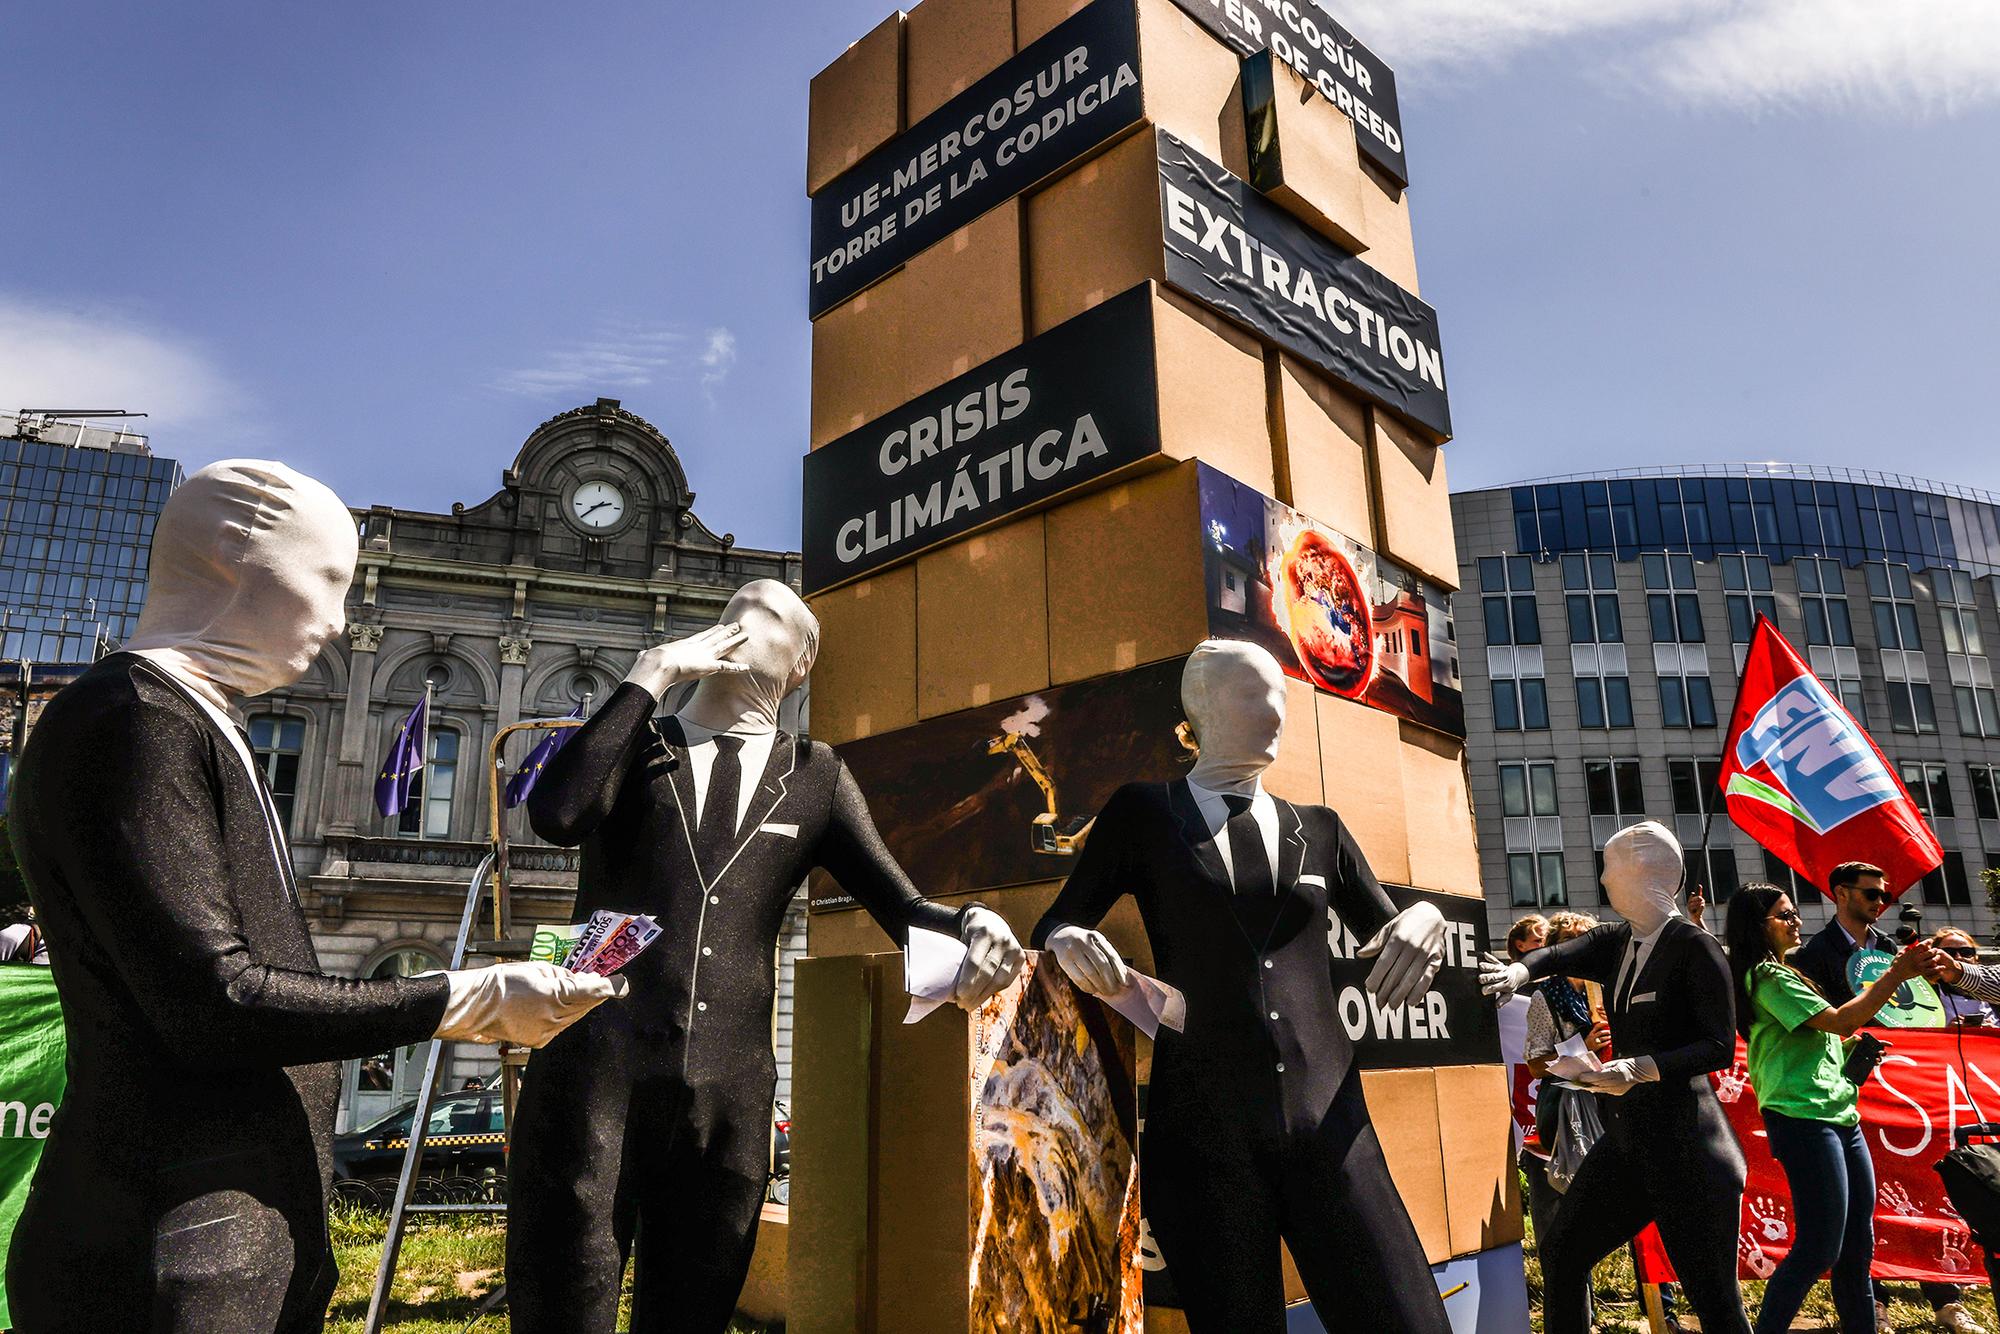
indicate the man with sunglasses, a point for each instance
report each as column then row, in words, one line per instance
column 1860, row 896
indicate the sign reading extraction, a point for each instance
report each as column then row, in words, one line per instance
column 1345, row 72
column 1063, row 409
column 1060, row 98
column 1229, row 248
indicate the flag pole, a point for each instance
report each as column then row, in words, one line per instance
column 424, row 756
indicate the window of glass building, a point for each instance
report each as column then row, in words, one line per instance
column 1948, row 885
column 1930, row 789
column 1823, row 599
column 1615, row 788
column 1985, row 791
column 1520, row 704
column 1958, row 609
column 1777, row 872
column 1965, row 653
column 1696, row 786
column 1687, row 701
column 1671, row 603
column 1590, row 591
column 277, row 742
column 1604, row 701
column 1507, row 584
column 1894, row 606
column 1535, row 875
column 428, row 814
column 1911, row 707
column 1747, row 580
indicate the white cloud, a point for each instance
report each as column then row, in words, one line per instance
column 58, row 356
column 622, row 354
column 1910, row 58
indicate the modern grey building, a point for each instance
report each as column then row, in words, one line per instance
column 517, row 606
column 77, row 508
column 1602, row 623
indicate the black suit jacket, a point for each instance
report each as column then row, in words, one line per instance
column 1682, row 1013
column 1238, row 963
column 201, row 1030
column 1823, row 960
column 701, row 997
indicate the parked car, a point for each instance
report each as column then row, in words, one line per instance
column 466, row 1137
column 780, row 1191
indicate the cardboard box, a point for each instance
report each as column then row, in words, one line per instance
column 1213, row 399
column 900, row 1153
column 855, row 104
column 1321, row 439
column 1125, row 576
column 1412, row 499
column 1302, row 154
column 1296, row 774
column 1361, row 768
column 865, row 680
column 950, row 45
column 1482, row 1183
column 1444, row 852
column 1403, row 1105
column 982, row 619
column 1094, row 232
column 954, row 306
column 1392, row 250
column 764, row 1297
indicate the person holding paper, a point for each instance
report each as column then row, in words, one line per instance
column 185, row 1182
column 1256, row 1128
column 648, row 1127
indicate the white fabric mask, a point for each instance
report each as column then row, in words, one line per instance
column 248, row 579
column 783, row 644
column 1643, row 869
column 1234, row 696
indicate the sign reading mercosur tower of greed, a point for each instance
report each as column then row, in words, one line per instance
column 1057, row 100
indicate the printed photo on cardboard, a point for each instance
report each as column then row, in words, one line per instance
column 1336, row 615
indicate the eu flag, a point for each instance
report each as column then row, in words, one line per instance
column 405, row 761
column 524, row 779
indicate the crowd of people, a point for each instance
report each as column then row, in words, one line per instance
column 1801, row 1010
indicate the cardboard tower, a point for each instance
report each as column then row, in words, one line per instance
column 1116, row 347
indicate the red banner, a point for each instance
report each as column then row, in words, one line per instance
column 1931, row 1082
column 1805, row 780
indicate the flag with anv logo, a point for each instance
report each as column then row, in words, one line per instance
column 1804, row 779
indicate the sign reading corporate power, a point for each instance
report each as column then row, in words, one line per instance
column 1451, row 1024
column 1345, row 72
column 1234, row 251
column 1067, row 93
column 1063, row 409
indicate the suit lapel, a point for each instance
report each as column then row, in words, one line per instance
column 680, row 777
column 1291, row 845
column 1194, row 833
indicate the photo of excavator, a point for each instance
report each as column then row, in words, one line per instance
column 1050, row 834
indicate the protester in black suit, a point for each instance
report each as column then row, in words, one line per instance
column 656, row 1120
column 1668, row 1155
column 185, row 1180
column 1256, row 1128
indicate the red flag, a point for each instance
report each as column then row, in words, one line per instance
column 1805, row 780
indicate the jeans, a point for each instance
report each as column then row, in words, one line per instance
column 1832, row 1181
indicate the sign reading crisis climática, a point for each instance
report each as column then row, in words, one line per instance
column 1345, row 72
column 1067, row 93
column 1077, row 403
column 1232, row 250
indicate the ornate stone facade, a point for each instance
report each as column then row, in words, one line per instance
column 514, row 607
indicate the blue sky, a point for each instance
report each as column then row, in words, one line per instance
column 383, row 242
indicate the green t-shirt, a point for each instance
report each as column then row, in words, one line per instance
column 1794, row 1069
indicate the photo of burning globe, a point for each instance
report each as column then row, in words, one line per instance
column 1327, row 616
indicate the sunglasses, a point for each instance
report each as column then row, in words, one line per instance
column 1874, row 895
column 1961, row 951
column 1788, row 915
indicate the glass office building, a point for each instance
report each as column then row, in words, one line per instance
column 1603, row 622
column 77, row 509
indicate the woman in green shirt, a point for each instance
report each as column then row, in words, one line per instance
column 1808, row 1105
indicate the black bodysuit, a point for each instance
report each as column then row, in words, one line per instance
column 185, row 1182
column 1256, row 1127
column 655, row 1113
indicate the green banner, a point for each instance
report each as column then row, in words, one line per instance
column 31, row 1084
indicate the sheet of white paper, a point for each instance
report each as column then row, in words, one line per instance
column 1574, row 1057
column 930, row 970
column 1150, row 1003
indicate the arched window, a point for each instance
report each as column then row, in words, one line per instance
column 428, row 814
column 278, row 742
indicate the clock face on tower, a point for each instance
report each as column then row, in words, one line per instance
column 597, row 505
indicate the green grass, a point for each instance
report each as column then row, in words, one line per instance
column 447, row 1265
column 1617, row 1304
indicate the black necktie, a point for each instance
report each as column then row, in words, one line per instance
column 1248, row 860
column 717, row 834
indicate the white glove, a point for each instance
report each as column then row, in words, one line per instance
column 523, row 1003
column 1617, row 1077
column 1500, row 979
column 664, row 666
column 1089, row 959
column 992, row 958
column 1411, row 947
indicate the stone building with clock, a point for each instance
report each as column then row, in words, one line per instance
column 522, row 605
